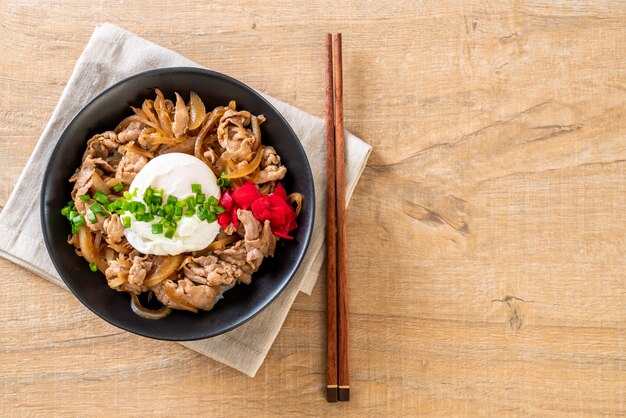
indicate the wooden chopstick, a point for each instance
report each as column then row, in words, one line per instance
column 338, row 379
column 331, row 232
column 342, row 242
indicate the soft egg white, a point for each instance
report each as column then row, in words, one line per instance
column 174, row 173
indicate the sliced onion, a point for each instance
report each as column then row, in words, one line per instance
column 134, row 148
column 211, row 122
column 112, row 182
column 124, row 123
column 167, row 266
column 186, row 147
column 125, row 262
column 162, row 113
column 255, row 175
column 156, row 139
column 266, row 188
column 185, row 261
column 153, row 125
column 146, row 313
column 297, row 198
column 89, row 252
column 118, row 281
column 247, row 168
column 143, row 112
column 222, row 243
column 197, row 111
column 148, row 111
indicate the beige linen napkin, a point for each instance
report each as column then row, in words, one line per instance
column 111, row 55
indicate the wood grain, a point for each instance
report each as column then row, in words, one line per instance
column 343, row 370
column 486, row 238
column 332, row 378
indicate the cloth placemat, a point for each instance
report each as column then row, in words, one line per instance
column 111, row 55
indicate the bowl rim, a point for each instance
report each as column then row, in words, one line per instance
column 48, row 236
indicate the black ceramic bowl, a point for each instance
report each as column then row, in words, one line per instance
column 103, row 113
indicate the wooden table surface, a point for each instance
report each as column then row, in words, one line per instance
column 486, row 236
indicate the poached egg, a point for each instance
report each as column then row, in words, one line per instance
column 174, row 173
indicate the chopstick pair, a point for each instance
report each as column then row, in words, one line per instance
column 338, row 379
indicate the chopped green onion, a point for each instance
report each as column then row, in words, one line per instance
column 169, row 213
column 93, row 267
column 225, row 181
column 137, row 207
column 96, row 208
column 92, row 217
column 76, row 220
column 220, row 182
column 101, row 197
column 168, row 222
column 144, row 217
